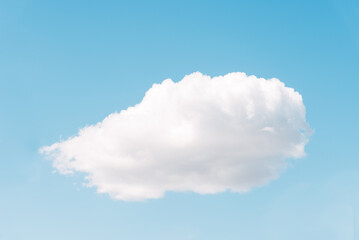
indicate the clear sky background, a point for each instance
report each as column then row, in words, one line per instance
column 68, row 64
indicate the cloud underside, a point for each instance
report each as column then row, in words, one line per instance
column 201, row 134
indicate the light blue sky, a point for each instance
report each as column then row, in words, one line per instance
column 68, row 64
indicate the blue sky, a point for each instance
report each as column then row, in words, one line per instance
column 68, row 64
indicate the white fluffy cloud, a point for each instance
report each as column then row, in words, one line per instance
column 201, row 134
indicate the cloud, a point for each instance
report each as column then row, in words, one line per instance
column 201, row 134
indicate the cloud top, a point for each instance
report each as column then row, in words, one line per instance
column 201, row 134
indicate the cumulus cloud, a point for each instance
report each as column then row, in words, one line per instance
column 201, row 134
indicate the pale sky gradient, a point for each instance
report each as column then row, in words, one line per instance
column 65, row 65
